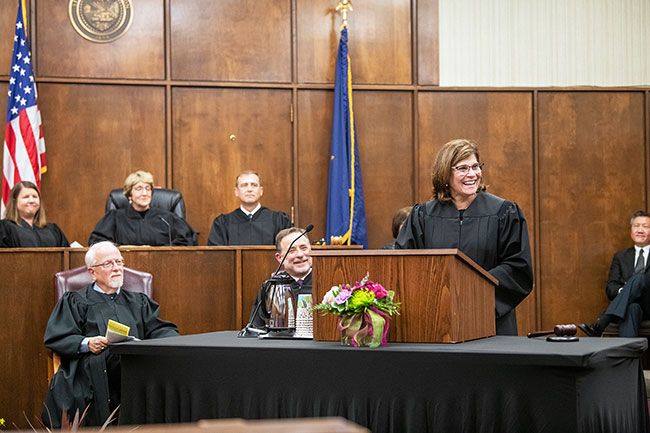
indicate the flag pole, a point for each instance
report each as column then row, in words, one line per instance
column 343, row 7
column 346, row 215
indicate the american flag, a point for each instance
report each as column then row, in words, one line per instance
column 24, row 146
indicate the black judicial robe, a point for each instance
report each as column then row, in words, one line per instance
column 82, row 380
column 23, row 235
column 128, row 227
column 236, row 228
column 492, row 232
column 259, row 314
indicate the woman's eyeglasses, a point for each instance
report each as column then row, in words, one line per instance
column 464, row 169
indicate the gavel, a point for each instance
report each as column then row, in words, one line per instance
column 561, row 333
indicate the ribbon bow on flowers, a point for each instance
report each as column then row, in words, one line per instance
column 363, row 311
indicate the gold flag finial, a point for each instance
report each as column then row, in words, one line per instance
column 343, row 7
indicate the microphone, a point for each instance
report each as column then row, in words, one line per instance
column 248, row 329
column 169, row 230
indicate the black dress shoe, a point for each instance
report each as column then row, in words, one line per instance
column 590, row 330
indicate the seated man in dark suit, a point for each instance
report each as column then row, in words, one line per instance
column 252, row 223
column 296, row 270
column 89, row 375
column 626, row 284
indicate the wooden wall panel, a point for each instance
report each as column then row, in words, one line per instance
column 8, row 11
column 501, row 123
column 27, row 300
column 139, row 53
column 379, row 41
column 231, row 40
column 385, row 136
column 206, row 160
column 427, row 49
column 314, row 146
column 591, row 178
column 95, row 136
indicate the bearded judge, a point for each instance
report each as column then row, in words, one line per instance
column 492, row 231
column 89, row 375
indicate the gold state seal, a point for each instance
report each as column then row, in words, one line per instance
column 100, row 20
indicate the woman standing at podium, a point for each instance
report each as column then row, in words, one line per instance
column 490, row 230
column 25, row 225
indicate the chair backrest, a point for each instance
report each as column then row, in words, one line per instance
column 163, row 198
column 78, row 278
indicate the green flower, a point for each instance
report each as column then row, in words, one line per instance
column 2, row 422
column 361, row 298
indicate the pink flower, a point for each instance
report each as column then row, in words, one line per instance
column 378, row 289
column 343, row 296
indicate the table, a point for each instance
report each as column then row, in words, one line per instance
column 498, row 384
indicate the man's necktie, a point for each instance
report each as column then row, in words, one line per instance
column 640, row 263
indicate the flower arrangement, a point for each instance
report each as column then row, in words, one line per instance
column 363, row 311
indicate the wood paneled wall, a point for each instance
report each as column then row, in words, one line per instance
column 199, row 89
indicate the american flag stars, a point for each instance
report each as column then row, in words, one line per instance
column 21, row 92
column 24, row 147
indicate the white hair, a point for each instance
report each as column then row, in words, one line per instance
column 92, row 251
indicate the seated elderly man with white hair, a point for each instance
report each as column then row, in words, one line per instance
column 89, row 375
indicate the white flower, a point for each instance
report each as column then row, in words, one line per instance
column 328, row 299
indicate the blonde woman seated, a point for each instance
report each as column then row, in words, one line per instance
column 141, row 224
column 25, row 225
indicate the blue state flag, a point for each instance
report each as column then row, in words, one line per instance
column 346, row 212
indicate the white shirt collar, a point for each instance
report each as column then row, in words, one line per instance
column 259, row 205
column 99, row 289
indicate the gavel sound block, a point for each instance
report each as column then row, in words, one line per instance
column 561, row 334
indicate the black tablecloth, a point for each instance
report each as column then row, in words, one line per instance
column 499, row 384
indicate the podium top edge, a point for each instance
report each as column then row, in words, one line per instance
column 402, row 253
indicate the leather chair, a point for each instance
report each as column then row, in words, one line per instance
column 76, row 279
column 168, row 199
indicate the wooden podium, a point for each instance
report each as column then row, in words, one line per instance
column 445, row 296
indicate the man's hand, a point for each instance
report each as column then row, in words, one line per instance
column 97, row 344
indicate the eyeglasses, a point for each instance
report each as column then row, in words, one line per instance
column 108, row 264
column 141, row 188
column 464, row 169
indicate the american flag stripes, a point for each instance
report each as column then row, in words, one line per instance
column 24, row 146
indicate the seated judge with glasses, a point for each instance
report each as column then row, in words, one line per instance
column 141, row 224
column 89, row 375
column 490, row 230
